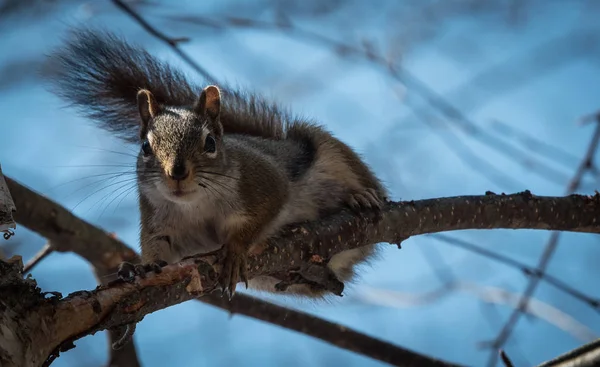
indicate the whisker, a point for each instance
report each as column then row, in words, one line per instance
column 116, row 196
column 94, row 183
column 104, row 188
column 108, row 275
column 110, row 151
column 219, row 194
column 92, row 176
column 124, row 196
column 105, row 197
column 222, row 184
column 92, row 165
column 217, row 174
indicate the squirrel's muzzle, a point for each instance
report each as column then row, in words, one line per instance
column 178, row 172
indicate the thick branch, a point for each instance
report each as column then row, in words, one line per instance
column 85, row 313
column 120, row 304
column 55, row 222
column 66, row 231
column 578, row 213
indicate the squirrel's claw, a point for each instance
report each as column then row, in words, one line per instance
column 367, row 199
column 234, row 271
column 127, row 271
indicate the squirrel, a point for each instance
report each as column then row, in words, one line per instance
column 218, row 169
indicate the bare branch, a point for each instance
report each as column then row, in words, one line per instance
column 82, row 313
column 398, row 221
column 106, row 252
column 126, row 303
column 487, row 294
column 332, row 333
column 66, row 231
column 549, row 250
column 507, row 362
column 41, row 255
column 524, row 268
column 173, row 43
column 534, row 144
column 585, row 356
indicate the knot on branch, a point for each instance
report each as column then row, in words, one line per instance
column 15, row 291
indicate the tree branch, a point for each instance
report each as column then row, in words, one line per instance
column 530, row 271
column 66, row 231
column 105, row 252
column 487, row 294
column 332, row 333
column 587, row 355
column 398, row 221
column 549, row 250
column 173, row 43
column 123, row 303
column 108, row 307
column 39, row 256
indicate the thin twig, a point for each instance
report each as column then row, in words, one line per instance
column 549, row 250
column 505, row 359
column 524, row 268
column 327, row 331
column 173, row 43
column 46, row 250
column 486, row 294
column 535, row 144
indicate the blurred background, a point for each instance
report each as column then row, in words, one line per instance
column 441, row 98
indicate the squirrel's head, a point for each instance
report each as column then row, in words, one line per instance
column 180, row 147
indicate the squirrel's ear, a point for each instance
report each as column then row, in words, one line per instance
column 147, row 105
column 209, row 102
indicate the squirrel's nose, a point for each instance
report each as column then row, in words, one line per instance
column 179, row 172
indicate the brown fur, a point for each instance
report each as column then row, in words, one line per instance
column 269, row 168
column 259, row 185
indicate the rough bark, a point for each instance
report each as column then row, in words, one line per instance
column 398, row 221
column 53, row 324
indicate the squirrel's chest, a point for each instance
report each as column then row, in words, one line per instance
column 192, row 229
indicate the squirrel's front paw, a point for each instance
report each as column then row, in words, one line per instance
column 127, row 271
column 366, row 199
column 233, row 270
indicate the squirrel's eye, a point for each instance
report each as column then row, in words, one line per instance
column 146, row 148
column 210, row 145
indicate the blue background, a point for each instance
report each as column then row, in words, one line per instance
column 531, row 66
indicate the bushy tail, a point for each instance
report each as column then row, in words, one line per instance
column 100, row 74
